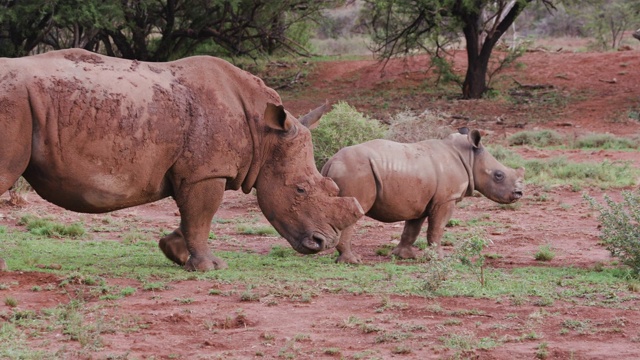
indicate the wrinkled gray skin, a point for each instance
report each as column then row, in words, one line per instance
column 95, row 134
column 414, row 182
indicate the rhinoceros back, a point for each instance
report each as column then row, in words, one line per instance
column 106, row 131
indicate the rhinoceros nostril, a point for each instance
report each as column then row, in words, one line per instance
column 314, row 243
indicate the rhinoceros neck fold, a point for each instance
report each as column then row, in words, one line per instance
column 467, row 162
column 256, row 160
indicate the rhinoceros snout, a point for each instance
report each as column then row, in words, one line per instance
column 314, row 243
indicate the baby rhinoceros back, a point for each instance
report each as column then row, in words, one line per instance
column 417, row 182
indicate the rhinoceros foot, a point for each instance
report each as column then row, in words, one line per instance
column 404, row 252
column 205, row 264
column 350, row 258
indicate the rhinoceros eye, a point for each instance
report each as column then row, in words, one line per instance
column 300, row 190
column 498, row 176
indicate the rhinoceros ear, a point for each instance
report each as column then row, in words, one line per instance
column 311, row 119
column 276, row 118
column 474, row 138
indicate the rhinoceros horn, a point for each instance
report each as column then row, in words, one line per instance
column 310, row 120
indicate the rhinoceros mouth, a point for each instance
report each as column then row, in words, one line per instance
column 516, row 195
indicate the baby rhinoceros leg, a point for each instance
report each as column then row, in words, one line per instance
column 346, row 255
column 438, row 219
column 409, row 236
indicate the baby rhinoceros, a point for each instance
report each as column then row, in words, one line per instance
column 412, row 182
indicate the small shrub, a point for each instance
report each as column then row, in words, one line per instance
column 469, row 252
column 621, row 227
column 544, row 253
column 10, row 301
column 343, row 126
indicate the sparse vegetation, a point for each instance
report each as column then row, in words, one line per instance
column 407, row 127
column 621, row 227
column 246, row 229
column 540, row 138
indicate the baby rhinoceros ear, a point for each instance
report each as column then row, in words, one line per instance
column 276, row 118
column 474, row 139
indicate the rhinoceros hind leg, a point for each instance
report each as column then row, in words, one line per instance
column 409, row 236
column 346, row 255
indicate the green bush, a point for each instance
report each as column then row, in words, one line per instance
column 621, row 227
column 343, row 126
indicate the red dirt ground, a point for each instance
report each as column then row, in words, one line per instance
column 173, row 330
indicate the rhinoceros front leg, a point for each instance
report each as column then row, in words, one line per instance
column 438, row 219
column 345, row 254
column 409, row 236
column 187, row 245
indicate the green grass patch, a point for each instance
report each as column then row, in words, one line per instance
column 264, row 230
column 540, row 138
column 560, row 171
column 51, row 228
column 550, row 138
column 283, row 272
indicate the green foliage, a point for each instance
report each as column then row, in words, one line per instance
column 606, row 20
column 621, row 227
column 343, row 126
column 470, row 254
column 159, row 30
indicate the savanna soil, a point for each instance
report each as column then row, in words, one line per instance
column 600, row 89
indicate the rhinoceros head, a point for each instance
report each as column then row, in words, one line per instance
column 301, row 204
column 492, row 179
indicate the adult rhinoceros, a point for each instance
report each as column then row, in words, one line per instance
column 94, row 134
column 413, row 182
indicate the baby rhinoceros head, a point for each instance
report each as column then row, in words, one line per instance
column 491, row 178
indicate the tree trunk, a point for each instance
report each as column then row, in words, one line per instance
column 479, row 52
column 475, row 81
